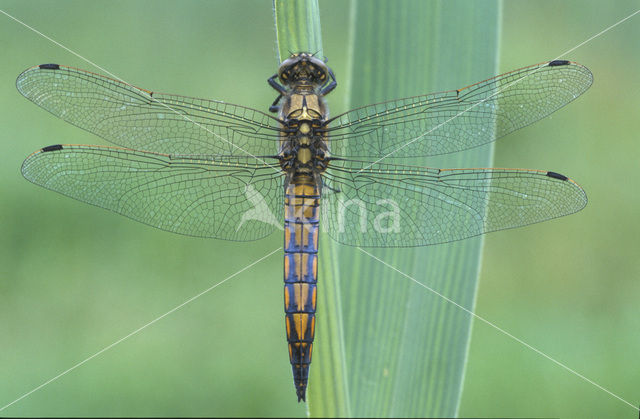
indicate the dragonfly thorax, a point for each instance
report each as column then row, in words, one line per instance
column 302, row 153
column 304, row 148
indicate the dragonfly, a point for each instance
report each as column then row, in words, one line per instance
column 207, row 168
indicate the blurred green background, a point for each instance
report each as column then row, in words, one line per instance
column 75, row 278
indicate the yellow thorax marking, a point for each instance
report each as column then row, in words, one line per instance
column 305, row 128
column 306, row 108
column 304, row 155
column 305, row 111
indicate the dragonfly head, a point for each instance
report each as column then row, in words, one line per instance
column 303, row 68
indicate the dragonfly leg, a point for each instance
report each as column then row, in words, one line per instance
column 273, row 82
column 274, row 106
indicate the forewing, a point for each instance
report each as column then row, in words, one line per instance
column 136, row 118
column 446, row 122
column 403, row 206
column 232, row 198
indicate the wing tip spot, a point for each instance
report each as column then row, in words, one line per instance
column 557, row 176
column 54, row 147
column 556, row 63
column 49, row 67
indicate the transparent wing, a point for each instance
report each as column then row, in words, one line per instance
column 456, row 120
column 136, row 118
column 232, row 198
column 400, row 206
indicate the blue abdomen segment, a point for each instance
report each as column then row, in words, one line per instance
column 301, row 229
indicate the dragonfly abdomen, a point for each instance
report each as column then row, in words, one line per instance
column 302, row 200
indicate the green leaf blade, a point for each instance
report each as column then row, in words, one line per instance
column 406, row 347
column 297, row 27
